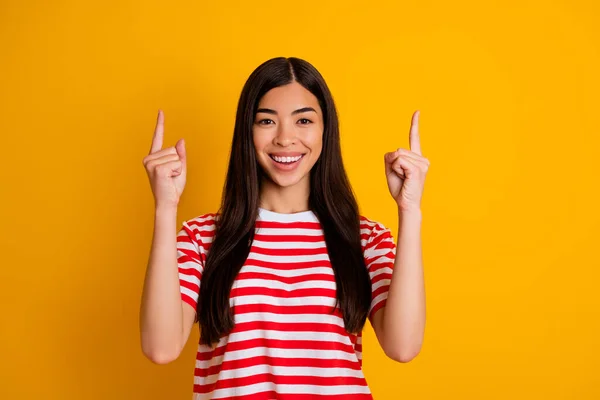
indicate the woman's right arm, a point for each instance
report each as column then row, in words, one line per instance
column 165, row 319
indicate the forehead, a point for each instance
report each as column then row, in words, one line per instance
column 288, row 98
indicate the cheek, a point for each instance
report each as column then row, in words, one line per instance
column 316, row 143
column 255, row 139
column 259, row 143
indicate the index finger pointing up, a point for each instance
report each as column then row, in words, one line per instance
column 157, row 139
column 415, row 140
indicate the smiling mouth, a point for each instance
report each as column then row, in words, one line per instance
column 286, row 160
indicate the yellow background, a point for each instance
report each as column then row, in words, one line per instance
column 509, row 96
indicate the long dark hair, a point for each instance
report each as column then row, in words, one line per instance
column 331, row 199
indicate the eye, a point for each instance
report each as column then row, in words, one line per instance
column 266, row 121
column 304, row 121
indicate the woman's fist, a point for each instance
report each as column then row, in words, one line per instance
column 406, row 170
column 166, row 168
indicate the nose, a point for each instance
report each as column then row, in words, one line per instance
column 286, row 135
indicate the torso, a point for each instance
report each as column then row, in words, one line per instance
column 289, row 341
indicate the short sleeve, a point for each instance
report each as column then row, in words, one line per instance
column 380, row 253
column 193, row 242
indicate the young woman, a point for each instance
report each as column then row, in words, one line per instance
column 284, row 277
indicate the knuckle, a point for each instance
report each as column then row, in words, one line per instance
column 150, row 165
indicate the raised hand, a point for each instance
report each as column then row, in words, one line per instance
column 406, row 170
column 166, row 168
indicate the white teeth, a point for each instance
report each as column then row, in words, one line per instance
column 286, row 159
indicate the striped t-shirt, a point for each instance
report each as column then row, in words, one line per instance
column 286, row 343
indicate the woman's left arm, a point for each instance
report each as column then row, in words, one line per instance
column 400, row 325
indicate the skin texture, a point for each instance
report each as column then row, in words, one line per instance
column 165, row 320
column 286, row 130
column 400, row 325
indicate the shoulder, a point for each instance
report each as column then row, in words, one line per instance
column 202, row 220
column 370, row 227
column 200, row 228
column 372, row 232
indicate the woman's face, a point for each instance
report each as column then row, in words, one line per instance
column 288, row 133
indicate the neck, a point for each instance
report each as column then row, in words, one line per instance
column 285, row 200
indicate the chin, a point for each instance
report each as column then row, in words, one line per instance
column 285, row 181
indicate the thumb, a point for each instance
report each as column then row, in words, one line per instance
column 391, row 156
column 389, row 159
column 180, row 148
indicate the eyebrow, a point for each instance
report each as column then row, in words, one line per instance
column 298, row 111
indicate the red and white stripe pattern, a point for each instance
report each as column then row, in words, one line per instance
column 287, row 343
